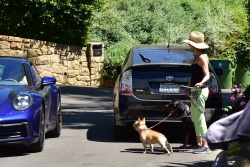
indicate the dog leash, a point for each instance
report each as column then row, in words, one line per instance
column 163, row 119
column 171, row 111
column 187, row 87
column 189, row 95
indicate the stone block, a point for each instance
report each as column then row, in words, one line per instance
column 4, row 45
column 84, row 71
column 17, row 45
column 75, row 64
column 83, row 78
column 54, row 58
column 72, row 73
column 71, row 81
column 34, row 53
column 82, row 83
column 46, row 73
column 42, row 60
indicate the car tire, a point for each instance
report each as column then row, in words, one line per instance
column 56, row 132
column 38, row 146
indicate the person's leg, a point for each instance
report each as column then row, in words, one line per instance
column 204, row 96
column 204, row 143
column 199, row 119
column 199, row 140
column 196, row 118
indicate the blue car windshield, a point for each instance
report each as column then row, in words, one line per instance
column 12, row 74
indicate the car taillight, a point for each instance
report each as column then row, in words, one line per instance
column 126, row 83
column 213, row 85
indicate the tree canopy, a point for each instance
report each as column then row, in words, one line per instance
column 122, row 24
column 61, row 21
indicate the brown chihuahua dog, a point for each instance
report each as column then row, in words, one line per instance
column 148, row 136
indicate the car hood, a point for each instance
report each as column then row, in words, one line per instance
column 8, row 93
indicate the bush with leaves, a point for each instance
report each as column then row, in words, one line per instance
column 160, row 21
column 242, row 54
column 115, row 57
column 66, row 22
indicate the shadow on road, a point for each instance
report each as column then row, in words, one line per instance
column 96, row 115
column 91, row 110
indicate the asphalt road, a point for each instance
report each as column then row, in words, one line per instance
column 87, row 139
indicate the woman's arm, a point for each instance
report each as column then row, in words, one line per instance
column 203, row 62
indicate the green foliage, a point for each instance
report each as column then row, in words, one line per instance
column 154, row 21
column 159, row 22
column 58, row 21
column 242, row 57
column 222, row 22
column 226, row 23
column 239, row 52
column 119, row 24
column 108, row 26
column 115, row 57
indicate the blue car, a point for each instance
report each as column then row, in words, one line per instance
column 30, row 106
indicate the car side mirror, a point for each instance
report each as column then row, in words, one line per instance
column 118, row 70
column 47, row 81
column 218, row 71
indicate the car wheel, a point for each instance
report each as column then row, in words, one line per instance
column 38, row 146
column 56, row 132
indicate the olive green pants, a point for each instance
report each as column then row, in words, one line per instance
column 198, row 99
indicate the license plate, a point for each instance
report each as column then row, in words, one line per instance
column 169, row 88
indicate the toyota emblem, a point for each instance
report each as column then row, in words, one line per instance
column 169, row 78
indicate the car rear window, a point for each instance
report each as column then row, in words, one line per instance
column 162, row 56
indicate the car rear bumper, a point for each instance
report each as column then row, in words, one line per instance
column 129, row 108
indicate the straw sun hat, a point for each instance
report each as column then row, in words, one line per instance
column 196, row 39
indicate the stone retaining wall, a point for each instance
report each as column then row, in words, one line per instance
column 71, row 65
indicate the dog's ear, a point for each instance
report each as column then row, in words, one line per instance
column 143, row 119
column 139, row 120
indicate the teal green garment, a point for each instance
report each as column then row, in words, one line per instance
column 198, row 99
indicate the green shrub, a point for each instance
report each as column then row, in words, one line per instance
column 160, row 21
column 114, row 57
column 242, row 54
column 66, row 22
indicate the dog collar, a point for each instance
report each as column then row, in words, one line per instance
column 142, row 129
column 184, row 115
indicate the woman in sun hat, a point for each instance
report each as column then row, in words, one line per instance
column 199, row 91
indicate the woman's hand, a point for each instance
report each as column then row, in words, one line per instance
column 198, row 85
column 186, row 91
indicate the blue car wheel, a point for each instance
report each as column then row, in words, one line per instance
column 38, row 146
column 56, row 132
